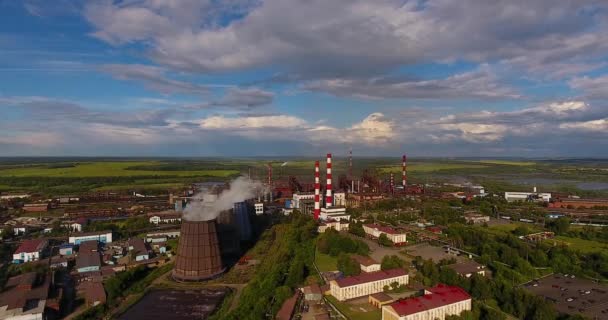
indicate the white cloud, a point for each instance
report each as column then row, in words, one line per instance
column 599, row 125
column 596, row 88
column 252, row 123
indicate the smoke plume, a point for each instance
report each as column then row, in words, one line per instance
column 203, row 207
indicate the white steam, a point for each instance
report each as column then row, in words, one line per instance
column 207, row 206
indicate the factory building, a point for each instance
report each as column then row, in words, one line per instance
column 165, row 217
column 436, row 303
column 101, row 236
column 30, row 250
column 339, row 199
column 26, row 297
column 374, row 231
column 334, row 213
column 528, row 196
column 366, row 283
column 298, row 197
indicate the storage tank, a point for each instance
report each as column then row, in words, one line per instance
column 198, row 253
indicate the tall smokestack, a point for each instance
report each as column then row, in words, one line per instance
column 198, row 252
column 350, row 163
column 270, row 180
column 317, row 192
column 392, row 183
column 329, row 200
column 404, row 172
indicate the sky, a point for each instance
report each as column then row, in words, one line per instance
column 430, row 78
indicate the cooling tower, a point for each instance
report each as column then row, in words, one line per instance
column 198, row 253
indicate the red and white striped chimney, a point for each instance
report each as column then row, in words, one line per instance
column 329, row 200
column 317, row 211
column 404, row 172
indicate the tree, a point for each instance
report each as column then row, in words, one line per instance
column 356, row 228
column 392, row 262
column 383, row 240
column 559, row 226
column 348, row 266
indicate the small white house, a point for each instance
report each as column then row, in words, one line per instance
column 30, row 250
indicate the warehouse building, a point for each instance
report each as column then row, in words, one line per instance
column 367, row 264
column 436, row 303
column 101, row 236
column 366, row 283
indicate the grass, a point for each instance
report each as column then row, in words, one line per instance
column 432, row 166
column 326, row 262
column 582, row 245
column 345, row 308
column 107, row 169
column 509, row 162
column 150, row 186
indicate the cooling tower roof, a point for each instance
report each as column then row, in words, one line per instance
column 198, row 253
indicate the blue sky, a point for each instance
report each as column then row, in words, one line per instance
column 288, row 77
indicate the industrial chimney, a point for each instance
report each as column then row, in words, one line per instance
column 198, row 253
column 317, row 192
column 404, row 172
column 329, row 199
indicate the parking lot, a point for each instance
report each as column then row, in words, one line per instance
column 427, row 251
column 573, row 295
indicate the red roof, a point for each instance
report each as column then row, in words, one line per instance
column 370, row 277
column 33, row 245
column 287, row 308
column 441, row 295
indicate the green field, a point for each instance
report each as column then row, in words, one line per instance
column 326, row 262
column 582, row 245
column 107, row 169
column 432, row 166
column 508, row 162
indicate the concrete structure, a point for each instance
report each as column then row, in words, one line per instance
column 468, row 269
column 334, row 213
column 367, row 264
column 25, row 297
column 259, row 208
column 101, row 236
column 366, row 283
column 87, row 261
column 436, row 303
column 476, row 218
column 243, row 224
column 527, row 196
column 10, row 196
column 332, row 224
column 30, row 250
column 198, row 253
column 374, row 231
column 339, row 199
column 404, row 171
column 298, row 197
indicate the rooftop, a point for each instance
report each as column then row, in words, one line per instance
column 382, row 297
column 384, row 229
column 287, row 309
column 138, row 244
column 370, row 277
column 94, row 233
column 88, row 246
column 88, row 259
column 366, row 261
column 441, row 295
column 34, row 245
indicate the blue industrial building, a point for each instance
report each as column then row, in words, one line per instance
column 243, row 223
